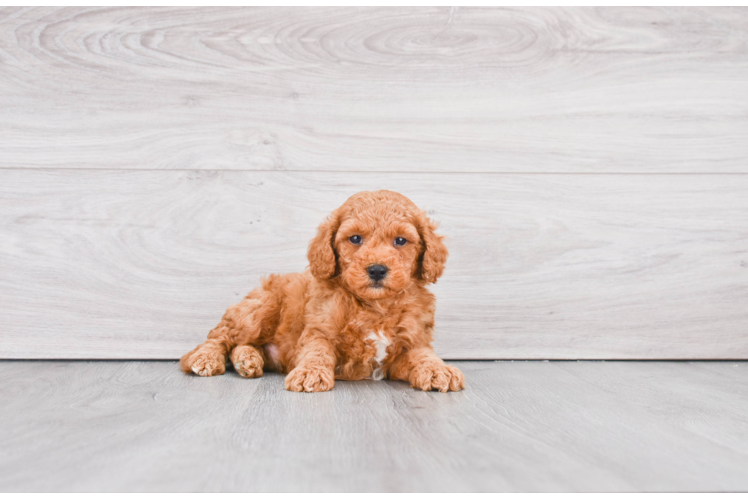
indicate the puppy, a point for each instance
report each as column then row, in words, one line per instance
column 361, row 311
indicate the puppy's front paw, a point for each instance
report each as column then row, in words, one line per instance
column 205, row 362
column 247, row 361
column 437, row 376
column 303, row 379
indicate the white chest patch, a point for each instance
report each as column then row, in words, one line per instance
column 381, row 342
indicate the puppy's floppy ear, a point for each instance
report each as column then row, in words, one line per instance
column 321, row 254
column 434, row 254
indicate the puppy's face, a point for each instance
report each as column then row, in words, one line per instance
column 378, row 243
column 377, row 252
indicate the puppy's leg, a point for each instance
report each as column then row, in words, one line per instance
column 242, row 325
column 426, row 371
column 315, row 369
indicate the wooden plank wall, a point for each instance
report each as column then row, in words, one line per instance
column 589, row 167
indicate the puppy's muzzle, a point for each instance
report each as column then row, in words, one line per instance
column 377, row 272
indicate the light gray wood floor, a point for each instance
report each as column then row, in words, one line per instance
column 519, row 426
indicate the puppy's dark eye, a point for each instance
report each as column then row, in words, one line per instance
column 400, row 241
column 356, row 239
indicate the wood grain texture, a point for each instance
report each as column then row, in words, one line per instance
column 133, row 264
column 519, row 426
column 155, row 162
column 382, row 89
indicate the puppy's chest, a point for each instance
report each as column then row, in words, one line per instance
column 364, row 349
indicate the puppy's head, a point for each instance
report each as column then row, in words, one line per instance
column 378, row 243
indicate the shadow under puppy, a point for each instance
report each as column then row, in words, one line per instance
column 361, row 311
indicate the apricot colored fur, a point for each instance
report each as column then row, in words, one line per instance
column 323, row 324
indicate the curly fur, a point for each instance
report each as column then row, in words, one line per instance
column 332, row 322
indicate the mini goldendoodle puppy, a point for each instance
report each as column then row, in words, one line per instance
column 362, row 310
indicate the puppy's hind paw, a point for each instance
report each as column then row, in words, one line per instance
column 204, row 363
column 247, row 361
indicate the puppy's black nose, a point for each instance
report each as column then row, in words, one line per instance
column 377, row 272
